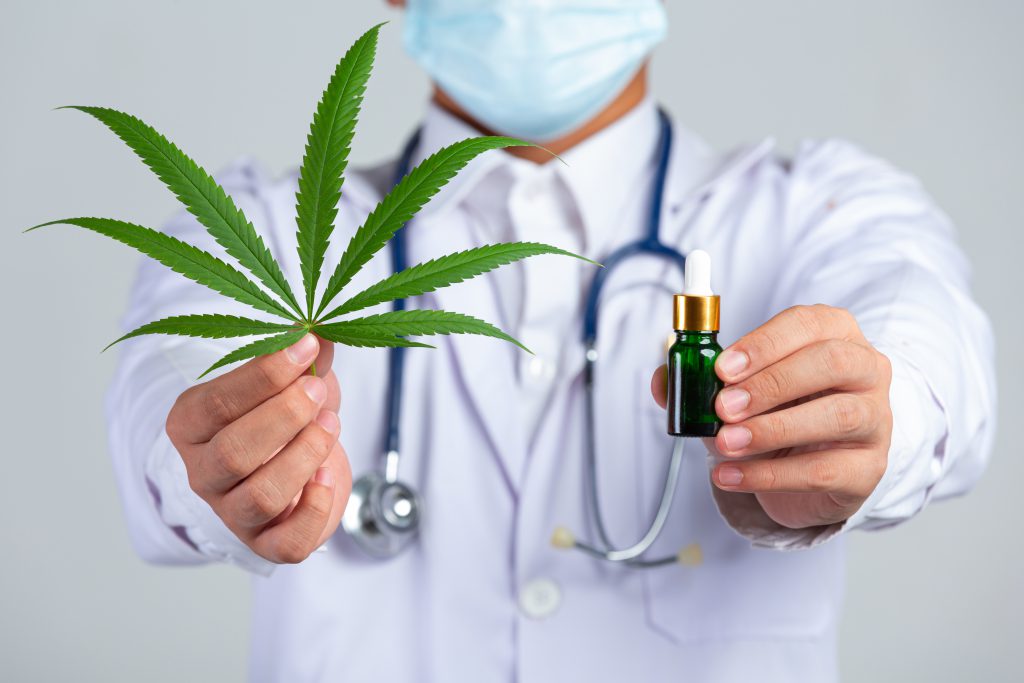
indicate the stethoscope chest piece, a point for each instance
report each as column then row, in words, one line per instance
column 382, row 516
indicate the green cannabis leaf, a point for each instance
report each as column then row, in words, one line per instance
column 320, row 181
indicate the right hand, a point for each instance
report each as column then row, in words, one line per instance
column 260, row 445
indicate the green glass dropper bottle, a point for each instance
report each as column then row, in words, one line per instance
column 692, row 382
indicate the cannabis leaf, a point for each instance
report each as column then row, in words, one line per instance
column 402, row 203
column 183, row 258
column 400, row 323
column 204, row 198
column 441, row 272
column 321, row 176
column 327, row 149
column 211, row 326
column 256, row 348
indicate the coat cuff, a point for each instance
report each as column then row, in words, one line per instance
column 181, row 509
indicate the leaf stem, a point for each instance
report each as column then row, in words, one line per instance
column 312, row 369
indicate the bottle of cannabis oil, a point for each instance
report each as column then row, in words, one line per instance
column 692, row 382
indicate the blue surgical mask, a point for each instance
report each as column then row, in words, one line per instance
column 535, row 69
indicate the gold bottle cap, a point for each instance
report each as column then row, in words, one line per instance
column 696, row 309
column 696, row 313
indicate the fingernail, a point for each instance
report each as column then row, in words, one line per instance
column 734, row 400
column 328, row 420
column 730, row 476
column 733, row 363
column 736, row 438
column 315, row 389
column 303, row 351
column 324, row 477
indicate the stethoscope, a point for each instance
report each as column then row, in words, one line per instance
column 383, row 513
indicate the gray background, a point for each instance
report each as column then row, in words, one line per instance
column 933, row 85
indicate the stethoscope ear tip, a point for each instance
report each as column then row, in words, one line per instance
column 690, row 556
column 562, row 539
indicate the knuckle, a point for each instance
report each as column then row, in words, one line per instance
column 771, row 386
column 884, row 369
column 173, row 426
column 218, row 405
column 320, row 505
column 885, row 420
column 765, row 344
column 822, row 475
column 313, row 446
column 188, row 397
column 293, row 549
column 177, row 421
column 264, row 374
column 869, row 370
column 808, row 318
column 196, row 482
column 839, row 358
column 228, row 453
column 296, row 407
column 261, row 501
column 877, row 467
column 849, row 320
column 849, row 415
column 769, row 475
column 776, row 429
column 842, row 316
column 333, row 389
column 872, row 414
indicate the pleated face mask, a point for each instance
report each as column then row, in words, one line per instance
column 535, row 69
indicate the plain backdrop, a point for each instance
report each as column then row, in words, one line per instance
column 933, row 85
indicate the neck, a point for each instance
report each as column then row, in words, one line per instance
column 630, row 96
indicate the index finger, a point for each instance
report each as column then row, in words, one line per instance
column 786, row 333
column 211, row 406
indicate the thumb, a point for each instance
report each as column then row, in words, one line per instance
column 659, row 387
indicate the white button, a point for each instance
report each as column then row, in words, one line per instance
column 535, row 367
column 539, row 598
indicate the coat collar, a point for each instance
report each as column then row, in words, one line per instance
column 601, row 173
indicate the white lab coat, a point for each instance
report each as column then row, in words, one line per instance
column 483, row 596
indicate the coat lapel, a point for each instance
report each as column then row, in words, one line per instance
column 486, row 366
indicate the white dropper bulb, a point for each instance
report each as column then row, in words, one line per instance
column 697, row 274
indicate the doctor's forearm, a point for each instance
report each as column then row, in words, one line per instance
column 943, row 399
column 871, row 241
column 136, row 405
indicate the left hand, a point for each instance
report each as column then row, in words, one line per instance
column 806, row 413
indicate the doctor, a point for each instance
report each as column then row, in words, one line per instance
column 859, row 373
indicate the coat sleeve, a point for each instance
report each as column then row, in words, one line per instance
column 863, row 236
column 168, row 523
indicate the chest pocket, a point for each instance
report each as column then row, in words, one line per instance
column 736, row 591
